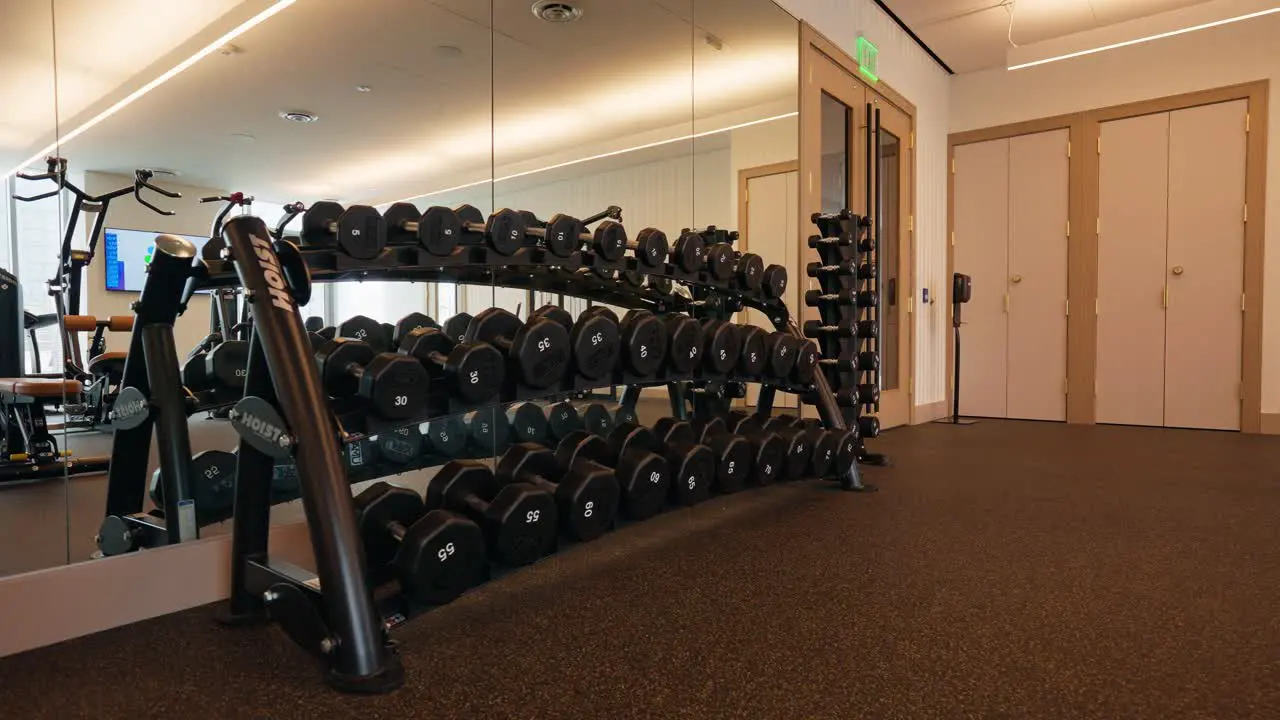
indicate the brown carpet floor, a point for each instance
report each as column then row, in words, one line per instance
column 1016, row 570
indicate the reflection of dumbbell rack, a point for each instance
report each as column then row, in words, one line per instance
column 847, row 270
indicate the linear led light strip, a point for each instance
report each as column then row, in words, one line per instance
column 162, row 79
column 612, row 153
column 1148, row 38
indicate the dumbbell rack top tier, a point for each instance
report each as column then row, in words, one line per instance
column 532, row 268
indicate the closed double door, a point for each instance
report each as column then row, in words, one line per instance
column 1011, row 233
column 1171, row 222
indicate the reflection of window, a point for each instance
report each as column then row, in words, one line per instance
column 32, row 239
column 446, row 301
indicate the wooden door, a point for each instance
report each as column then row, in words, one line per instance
column 1038, row 181
column 981, row 251
column 1205, row 266
column 1133, row 215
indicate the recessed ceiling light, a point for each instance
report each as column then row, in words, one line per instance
column 299, row 116
column 556, row 11
column 363, row 88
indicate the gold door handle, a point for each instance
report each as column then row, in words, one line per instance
column 1164, row 302
column 1177, row 269
column 1015, row 279
column 1006, row 302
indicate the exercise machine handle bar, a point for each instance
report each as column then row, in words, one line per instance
column 235, row 199
column 291, row 211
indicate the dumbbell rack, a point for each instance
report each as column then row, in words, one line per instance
column 285, row 412
column 846, row 241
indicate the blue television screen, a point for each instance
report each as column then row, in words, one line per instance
column 128, row 252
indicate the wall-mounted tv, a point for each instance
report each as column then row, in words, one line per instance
column 128, row 252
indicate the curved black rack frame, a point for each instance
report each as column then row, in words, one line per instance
column 341, row 624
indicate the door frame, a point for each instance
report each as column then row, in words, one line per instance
column 745, row 176
column 1082, row 248
column 814, row 46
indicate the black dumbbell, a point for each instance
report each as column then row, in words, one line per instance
column 826, row 445
column 395, row 386
column 720, row 261
column 474, row 371
column 562, row 419
column 867, row 271
column 781, row 349
column 643, row 475
column 366, row 330
column 644, row 342
column 795, row 457
column 221, row 368
column 684, row 342
column 406, row 226
column 212, row 477
column 841, row 297
column 861, row 394
column 754, row 357
column 774, row 282
column 724, row 345
column 650, row 248
column 819, row 448
column 748, row 272
column 623, row 414
column 659, row 284
column 868, row 426
column 768, row 450
column 732, row 453
column 527, row 423
column 440, row 229
column 317, row 340
column 806, row 363
column 844, row 268
column 586, row 492
column 853, row 361
column 488, row 431
column 456, row 326
column 399, row 447
column 593, row 339
column 689, row 252
column 519, row 520
column 359, row 230
column 436, row 556
column 693, row 469
column 328, row 332
column 596, row 418
column 408, row 324
column 539, row 349
column 815, row 329
column 445, row 436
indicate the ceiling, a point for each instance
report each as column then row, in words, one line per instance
column 972, row 35
column 443, row 90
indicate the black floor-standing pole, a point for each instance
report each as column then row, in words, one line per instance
column 955, row 379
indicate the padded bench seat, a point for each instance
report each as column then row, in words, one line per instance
column 109, row 363
column 40, row 387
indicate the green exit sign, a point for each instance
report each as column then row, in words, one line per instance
column 868, row 59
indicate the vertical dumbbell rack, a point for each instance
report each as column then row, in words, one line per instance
column 845, row 241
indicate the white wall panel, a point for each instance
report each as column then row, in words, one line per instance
column 1236, row 53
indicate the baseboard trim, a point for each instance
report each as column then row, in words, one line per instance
column 49, row 606
column 1270, row 424
column 931, row 411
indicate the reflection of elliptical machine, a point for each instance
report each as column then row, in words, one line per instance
column 101, row 375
